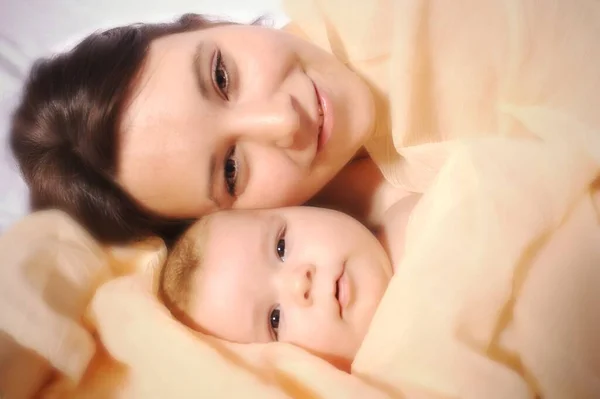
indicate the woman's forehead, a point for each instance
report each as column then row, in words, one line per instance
column 166, row 72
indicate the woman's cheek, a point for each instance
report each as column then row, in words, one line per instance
column 277, row 184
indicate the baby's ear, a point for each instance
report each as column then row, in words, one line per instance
column 145, row 258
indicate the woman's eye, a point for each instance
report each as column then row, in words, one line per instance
column 280, row 249
column 274, row 322
column 220, row 76
column 230, row 172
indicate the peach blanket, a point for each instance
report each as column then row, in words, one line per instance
column 497, row 296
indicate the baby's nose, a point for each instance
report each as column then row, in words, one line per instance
column 300, row 283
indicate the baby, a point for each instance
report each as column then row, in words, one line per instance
column 311, row 277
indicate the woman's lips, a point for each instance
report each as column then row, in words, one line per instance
column 321, row 117
column 325, row 118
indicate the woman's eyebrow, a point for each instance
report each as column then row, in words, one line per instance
column 197, row 64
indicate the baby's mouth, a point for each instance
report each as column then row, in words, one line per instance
column 337, row 298
column 337, row 294
column 341, row 291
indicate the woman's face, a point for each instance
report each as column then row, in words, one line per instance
column 238, row 117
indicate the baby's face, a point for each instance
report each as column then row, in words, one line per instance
column 307, row 276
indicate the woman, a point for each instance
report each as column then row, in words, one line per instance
column 140, row 129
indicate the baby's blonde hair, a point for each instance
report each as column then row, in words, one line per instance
column 179, row 271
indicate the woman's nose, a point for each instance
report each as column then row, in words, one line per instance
column 300, row 284
column 274, row 121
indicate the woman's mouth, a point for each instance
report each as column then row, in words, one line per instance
column 325, row 119
column 320, row 119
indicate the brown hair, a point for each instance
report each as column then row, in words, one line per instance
column 177, row 274
column 64, row 133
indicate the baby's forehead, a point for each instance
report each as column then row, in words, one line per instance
column 231, row 218
column 224, row 223
column 227, row 244
column 223, row 235
column 240, row 222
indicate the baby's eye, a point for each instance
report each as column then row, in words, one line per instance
column 274, row 322
column 281, row 248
